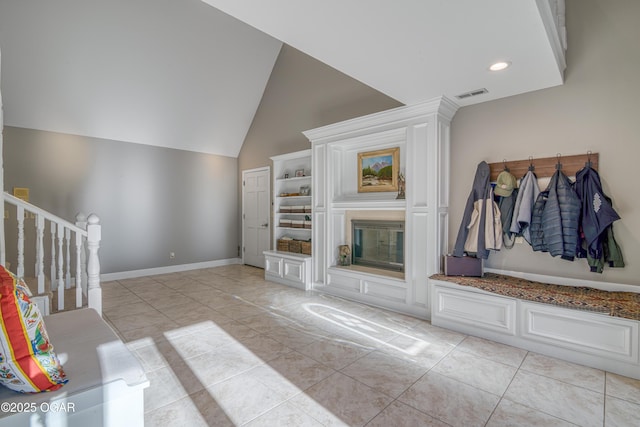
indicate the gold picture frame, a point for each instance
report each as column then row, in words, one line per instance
column 378, row 170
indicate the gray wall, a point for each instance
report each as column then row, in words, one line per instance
column 151, row 200
column 596, row 109
column 303, row 93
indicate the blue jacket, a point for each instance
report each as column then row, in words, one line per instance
column 481, row 191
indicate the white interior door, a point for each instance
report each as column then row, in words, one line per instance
column 256, row 208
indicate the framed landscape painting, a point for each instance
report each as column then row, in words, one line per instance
column 378, row 170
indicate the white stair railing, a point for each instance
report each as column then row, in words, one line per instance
column 86, row 275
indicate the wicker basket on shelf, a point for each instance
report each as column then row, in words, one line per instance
column 295, row 246
column 283, row 245
column 305, row 247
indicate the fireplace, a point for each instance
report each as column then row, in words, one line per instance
column 378, row 244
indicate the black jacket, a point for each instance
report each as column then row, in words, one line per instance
column 560, row 217
column 596, row 210
column 537, row 235
column 481, row 190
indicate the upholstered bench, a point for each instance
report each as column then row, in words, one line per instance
column 106, row 382
column 585, row 325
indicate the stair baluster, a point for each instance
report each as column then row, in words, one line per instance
column 60, row 276
column 67, row 276
column 40, row 252
column 52, row 277
column 20, row 216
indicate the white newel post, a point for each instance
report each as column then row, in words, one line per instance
column 94, row 235
column 81, row 260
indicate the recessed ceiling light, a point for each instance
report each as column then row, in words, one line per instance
column 498, row 66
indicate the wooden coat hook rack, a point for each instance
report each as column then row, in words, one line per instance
column 544, row 167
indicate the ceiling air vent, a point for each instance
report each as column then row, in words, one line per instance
column 472, row 93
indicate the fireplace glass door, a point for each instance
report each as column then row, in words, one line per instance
column 378, row 244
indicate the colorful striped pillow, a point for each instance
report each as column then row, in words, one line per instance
column 28, row 363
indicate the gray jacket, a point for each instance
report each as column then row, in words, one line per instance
column 523, row 209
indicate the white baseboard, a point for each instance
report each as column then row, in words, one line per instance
column 168, row 269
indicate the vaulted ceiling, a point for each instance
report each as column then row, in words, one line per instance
column 190, row 74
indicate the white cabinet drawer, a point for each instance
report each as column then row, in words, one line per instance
column 273, row 265
column 294, row 270
column 385, row 291
column 490, row 312
column 597, row 334
column 344, row 282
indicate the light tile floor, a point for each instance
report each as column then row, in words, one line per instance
column 224, row 347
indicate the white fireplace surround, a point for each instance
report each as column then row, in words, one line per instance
column 422, row 133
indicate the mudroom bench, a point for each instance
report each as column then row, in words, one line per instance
column 585, row 325
column 106, row 381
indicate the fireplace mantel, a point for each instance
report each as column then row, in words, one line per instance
column 421, row 132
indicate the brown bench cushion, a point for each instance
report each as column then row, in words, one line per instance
column 619, row 304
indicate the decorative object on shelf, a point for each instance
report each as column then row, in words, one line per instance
column 401, row 186
column 344, row 255
column 284, row 223
column 299, row 173
column 378, row 170
column 305, row 190
column 286, row 175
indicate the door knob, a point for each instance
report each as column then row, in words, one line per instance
column 266, row 224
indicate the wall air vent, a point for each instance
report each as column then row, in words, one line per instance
column 472, row 93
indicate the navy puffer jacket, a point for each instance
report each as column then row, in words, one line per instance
column 560, row 217
column 537, row 235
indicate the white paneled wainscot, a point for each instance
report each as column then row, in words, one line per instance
column 421, row 132
column 588, row 338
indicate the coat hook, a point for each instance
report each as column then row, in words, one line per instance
column 558, row 165
column 531, row 167
column 588, row 163
column 504, row 162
